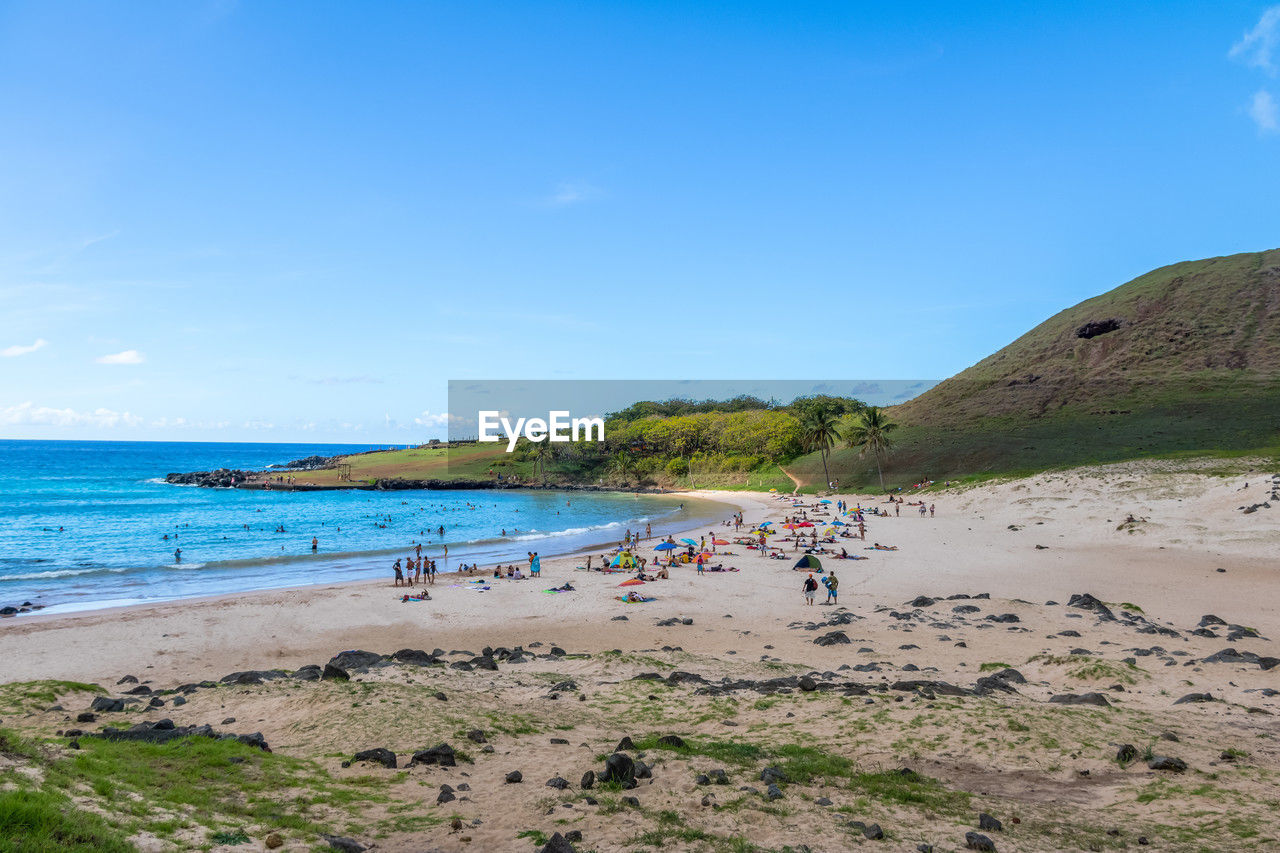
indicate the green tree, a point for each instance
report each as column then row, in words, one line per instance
column 544, row 452
column 870, row 434
column 623, row 464
column 820, row 430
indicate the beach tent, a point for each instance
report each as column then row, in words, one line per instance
column 624, row 561
column 808, row 561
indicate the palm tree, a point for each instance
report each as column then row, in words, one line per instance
column 870, row 434
column 542, row 454
column 623, row 464
column 820, row 430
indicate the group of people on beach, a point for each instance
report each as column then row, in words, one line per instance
column 415, row 570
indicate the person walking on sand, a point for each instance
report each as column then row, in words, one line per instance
column 931, row 510
column 897, row 510
column 810, row 590
column 832, row 584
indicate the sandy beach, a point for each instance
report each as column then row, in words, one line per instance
column 982, row 587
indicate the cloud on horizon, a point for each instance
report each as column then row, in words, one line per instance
column 17, row 349
column 428, row 419
column 129, row 356
column 29, row 414
column 1257, row 47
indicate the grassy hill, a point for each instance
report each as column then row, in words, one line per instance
column 1184, row 359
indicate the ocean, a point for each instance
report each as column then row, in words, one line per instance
column 83, row 524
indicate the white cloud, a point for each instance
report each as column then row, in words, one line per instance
column 29, row 414
column 129, row 356
column 1257, row 47
column 572, row 193
column 1264, row 111
column 17, row 350
column 428, row 419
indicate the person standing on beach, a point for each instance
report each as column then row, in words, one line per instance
column 315, row 543
column 897, row 510
column 810, row 590
column 832, row 584
column 931, row 510
column 399, row 574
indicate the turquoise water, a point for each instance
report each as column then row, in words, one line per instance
column 82, row 524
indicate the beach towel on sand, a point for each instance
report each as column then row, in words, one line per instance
column 626, row 600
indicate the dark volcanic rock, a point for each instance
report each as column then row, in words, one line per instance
column 1080, row 699
column 106, row 704
column 354, row 660
column 1085, row 601
column 310, row 672
column 416, row 657
column 557, row 843
column 254, row 676
column 987, row 823
column 1194, row 697
column 345, row 845
column 514, row 777
column 941, row 688
column 619, row 768
column 378, row 755
column 977, row 841
column 1126, row 753
column 1165, row 762
column 835, row 638
column 674, row 741
column 334, row 673
column 442, row 755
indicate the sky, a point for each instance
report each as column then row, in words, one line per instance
column 286, row 221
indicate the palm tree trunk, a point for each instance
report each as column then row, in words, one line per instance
column 825, row 472
column 878, row 471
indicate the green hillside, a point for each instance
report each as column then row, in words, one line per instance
column 1184, row 359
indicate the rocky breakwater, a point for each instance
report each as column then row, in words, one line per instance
column 222, row 478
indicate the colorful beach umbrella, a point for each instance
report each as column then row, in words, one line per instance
column 632, row 582
column 719, row 542
column 805, row 524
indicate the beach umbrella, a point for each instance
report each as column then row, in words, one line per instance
column 824, row 501
column 666, row 546
column 830, row 531
column 790, row 526
column 773, row 490
column 719, row 542
column 808, row 561
column 632, row 582
column 690, row 541
column 805, row 524
column 838, row 523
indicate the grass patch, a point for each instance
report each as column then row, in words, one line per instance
column 33, row 821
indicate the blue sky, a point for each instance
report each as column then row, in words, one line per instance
column 296, row 221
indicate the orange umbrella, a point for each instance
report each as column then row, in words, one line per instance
column 632, row 582
column 719, row 542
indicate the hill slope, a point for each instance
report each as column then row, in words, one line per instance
column 1183, row 359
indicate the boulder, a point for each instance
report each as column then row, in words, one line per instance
column 977, row 841
column 441, row 755
column 619, row 768
column 310, row 672
column 377, row 755
column 557, row 843
column 1081, row 699
column 334, row 673
column 354, row 660
column 1165, row 762
column 835, row 638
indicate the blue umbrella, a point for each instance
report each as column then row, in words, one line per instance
column 691, row 542
column 667, row 546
